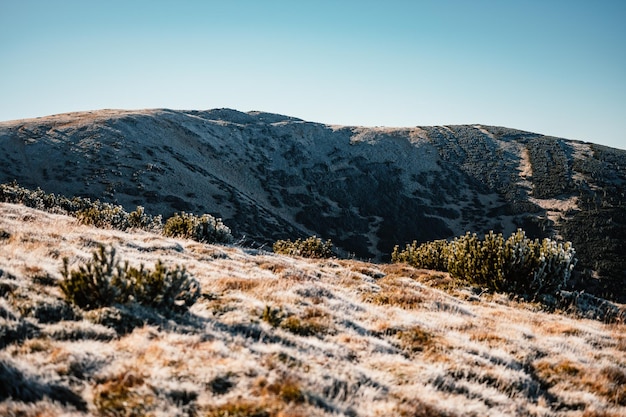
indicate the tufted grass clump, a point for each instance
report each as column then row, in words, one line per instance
column 205, row 228
column 312, row 322
column 415, row 339
column 125, row 394
column 311, row 247
column 240, row 408
column 104, row 281
column 516, row 265
column 305, row 326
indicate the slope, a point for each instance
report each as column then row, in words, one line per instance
column 274, row 177
column 273, row 335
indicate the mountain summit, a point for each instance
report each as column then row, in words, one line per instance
column 368, row 189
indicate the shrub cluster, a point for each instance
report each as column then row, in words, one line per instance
column 311, row 247
column 38, row 199
column 518, row 264
column 104, row 281
column 203, row 228
column 109, row 215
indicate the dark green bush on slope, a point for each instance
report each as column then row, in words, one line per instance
column 103, row 281
column 518, row 264
column 99, row 283
column 311, row 247
column 205, row 228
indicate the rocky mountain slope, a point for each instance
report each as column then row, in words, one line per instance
column 277, row 336
column 273, row 177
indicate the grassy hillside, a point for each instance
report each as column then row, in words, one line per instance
column 275, row 177
column 280, row 336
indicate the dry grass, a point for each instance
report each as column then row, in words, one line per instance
column 124, row 394
column 276, row 336
column 236, row 284
column 396, row 291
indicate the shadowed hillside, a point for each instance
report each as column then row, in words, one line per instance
column 273, row 177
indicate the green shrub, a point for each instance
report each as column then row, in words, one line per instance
column 103, row 281
column 138, row 219
column 429, row 255
column 99, row 283
column 105, row 215
column 163, row 287
column 311, row 247
column 205, row 228
column 239, row 408
column 480, row 262
column 518, row 264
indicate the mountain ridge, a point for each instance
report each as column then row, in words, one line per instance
column 272, row 177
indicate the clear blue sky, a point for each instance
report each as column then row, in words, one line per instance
column 550, row 66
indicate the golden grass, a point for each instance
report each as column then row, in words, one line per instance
column 280, row 398
column 384, row 336
column 394, row 292
column 557, row 328
column 416, row 339
column 608, row 381
column 35, row 346
column 486, row 336
column 273, row 266
column 561, row 371
column 236, row 284
column 414, row 407
column 124, row 394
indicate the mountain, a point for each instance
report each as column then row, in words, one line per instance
column 273, row 336
column 368, row 189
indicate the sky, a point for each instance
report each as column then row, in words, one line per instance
column 555, row 67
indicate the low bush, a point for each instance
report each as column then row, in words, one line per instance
column 205, row 228
column 103, row 281
column 415, row 339
column 517, row 265
column 311, row 247
column 88, row 212
column 108, row 215
column 431, row 255
column 99, row 283
column 163, row 287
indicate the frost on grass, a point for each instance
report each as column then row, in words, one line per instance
column 271, row 335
